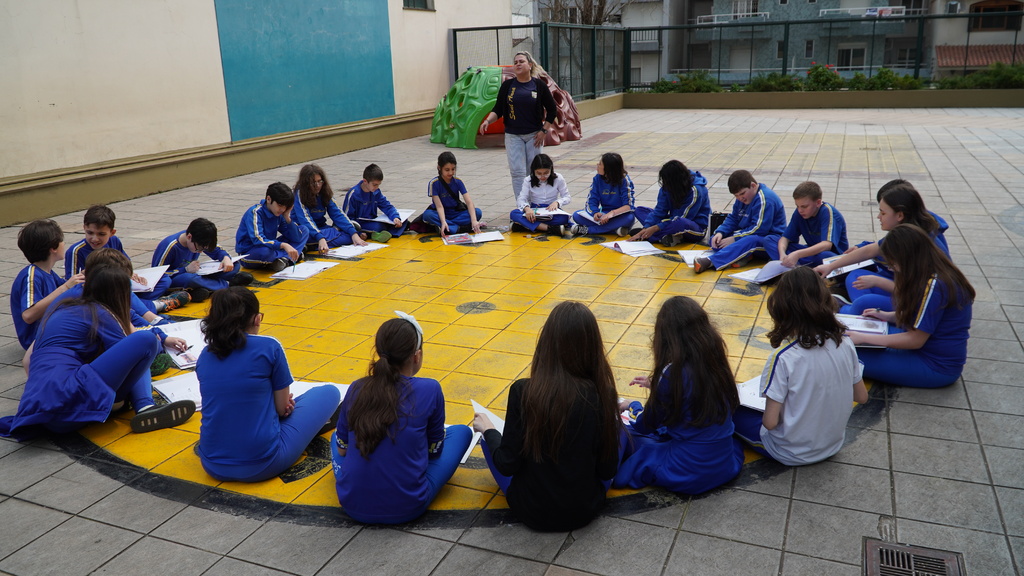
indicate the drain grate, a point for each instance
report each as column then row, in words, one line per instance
column 887, row 559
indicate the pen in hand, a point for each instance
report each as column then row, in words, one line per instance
column 185, row 350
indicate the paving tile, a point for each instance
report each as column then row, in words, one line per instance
column 935, row 457
column 962, row 504
column 292, row 547
column 996, row 429
column 207, row 530
column 984, row 553
column 27, row 466
column 996, row 398
column 864, row 448
column 765, row 477
column 74, row 488
column 698, row 554
column 517, row 540
column 797, row 565
column 658, row 507
column 598, row 548
column 932, row 421
column 78, row 546
column 154, row 552
column 23, row 522
column 843, row 485
column 993, row 371
column 111, row 509
column 231, row 567
column 387, row 551
column 739, row 515
column 951, row 396
column 467, row 560
column 1011, row 502
column 829, row 532
column 1006, row 465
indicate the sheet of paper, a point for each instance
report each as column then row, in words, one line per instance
column 634, row 249
column 151, row 275
column 762, row 275
column 545, row 213
column 192, row 333
column 499, row 425
column 354, row 251
column 298, row 388
column 750, row 394
column 846, row 269
column 403, row 215
column 213, row 266
column 473, row 238
column 748, row 275
column 589, row 216
column 181, row 387
column 689, row 256
column 303, row 270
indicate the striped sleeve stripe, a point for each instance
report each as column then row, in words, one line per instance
column 693, row 202
column 30, row 287
column 773, row 362
column 760, row 217
column 929, row 292
column 75, row 266
column 256, row 226
column 167, row 252
column 831, row 223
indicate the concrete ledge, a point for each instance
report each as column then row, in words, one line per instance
column 44, row 194
column 599, row 106
column 842, row 99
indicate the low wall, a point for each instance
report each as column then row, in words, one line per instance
column 841, row 99
column 45, row 194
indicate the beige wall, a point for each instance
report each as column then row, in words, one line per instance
column 80, row 81
column 421, row 46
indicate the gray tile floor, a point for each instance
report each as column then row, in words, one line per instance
column 936, row 468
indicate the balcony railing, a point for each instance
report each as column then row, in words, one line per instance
column 718, row 18
column 867, row 11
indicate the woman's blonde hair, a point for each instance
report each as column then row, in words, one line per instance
column 535, row 69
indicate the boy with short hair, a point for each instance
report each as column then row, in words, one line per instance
column 268, row 234
column 98, row 224
column 180, row 252
column 757, row 220
column 821, row 225
column 42, row 243
column 362, row 202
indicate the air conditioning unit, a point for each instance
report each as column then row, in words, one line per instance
column 952, row 7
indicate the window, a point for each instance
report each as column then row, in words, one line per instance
column 418, row 4
column 905, row 57
column 809, row 49
column 850, row 58
column 990, row 15
column 744, row 6
column 783, row 2
column 780, row 50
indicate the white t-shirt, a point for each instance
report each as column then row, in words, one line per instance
column 815, row 387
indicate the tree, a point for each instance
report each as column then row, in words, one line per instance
column 592, row 12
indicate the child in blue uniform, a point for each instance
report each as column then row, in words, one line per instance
column 391, row 452
column 252, row 428
column 560, row 448
column 610, row 201
column 98, row 224
column 42, row 244
column 314, row 202
column 452, row 209
column 757, row 220
column 683, row 208
column 541, row 189
column 683, row 439
column 821, row 225
column 362, row 202
column 930, row 320
column 268, row 233
column 87, row 361
column 901, row 204
column 180, row 252
column 811, row 379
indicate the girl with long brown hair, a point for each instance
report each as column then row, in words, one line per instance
column 391, row 452
column 926, row 346
column 87, row 360
column 683, row 439
column 560, row 446
column 811, row 379
column 314, row 203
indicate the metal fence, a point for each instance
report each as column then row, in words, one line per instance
column 589, row 61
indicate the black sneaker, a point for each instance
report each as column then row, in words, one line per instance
column 172, row 301
column 622, row 231
column 241, row 279
column 166, row 416
column 556, row 230
column 279, row 265
column 669, row 240
column 516, row 227
column 199, row 293
column 579, row 230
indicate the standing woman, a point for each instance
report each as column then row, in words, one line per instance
column 528, row 110
column 560, row 448
column 931, row 310
column 87, row 361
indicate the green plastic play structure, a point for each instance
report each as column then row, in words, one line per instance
column 461, row 111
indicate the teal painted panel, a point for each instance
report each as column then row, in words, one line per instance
column 298, row 64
